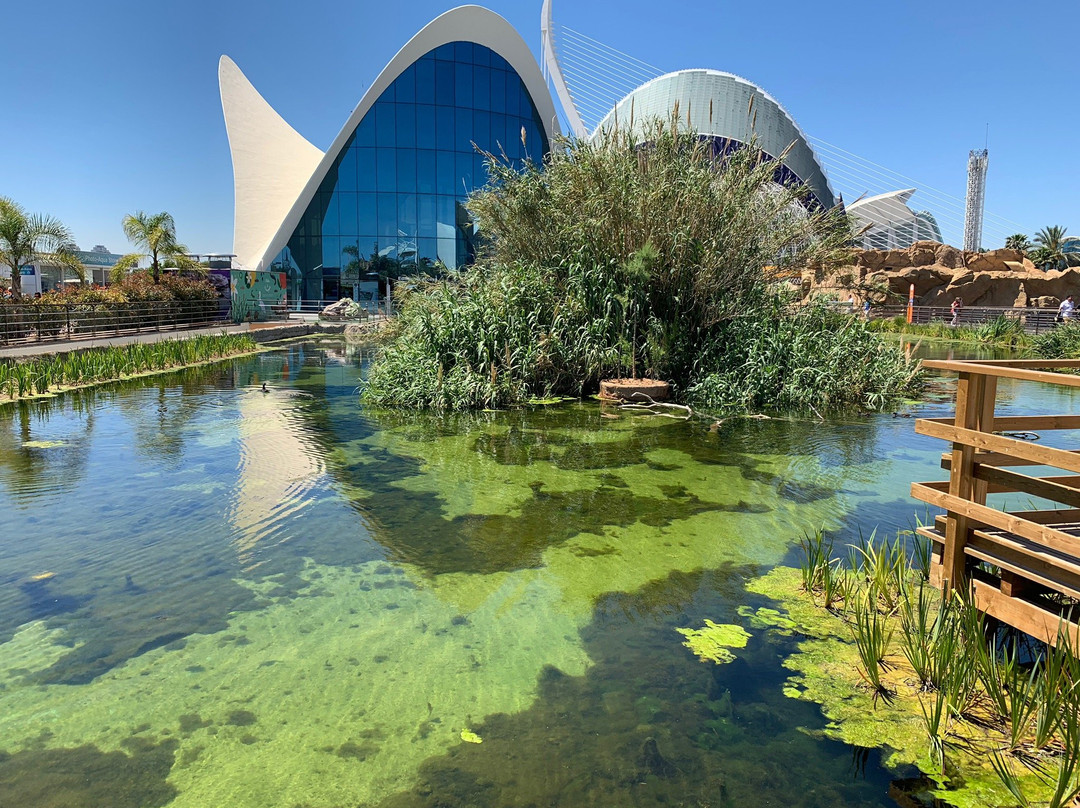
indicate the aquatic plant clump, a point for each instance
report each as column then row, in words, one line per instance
column 712, row 642
column 51, row 374
column 620, row 261
column 993, row 725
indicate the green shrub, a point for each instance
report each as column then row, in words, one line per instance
column 653, row 261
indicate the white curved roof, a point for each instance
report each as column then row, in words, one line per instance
column 721, row 104
column 250, row 153
column 884, row 210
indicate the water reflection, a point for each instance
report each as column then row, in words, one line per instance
column 286, row 600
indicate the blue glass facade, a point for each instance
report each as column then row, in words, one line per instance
column 393, row 201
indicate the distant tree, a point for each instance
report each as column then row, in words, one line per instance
column 1018, row 242
column 27, row 238
column 1049, row 244
column 155, row 235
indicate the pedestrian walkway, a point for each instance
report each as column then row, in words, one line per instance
column 70, row 346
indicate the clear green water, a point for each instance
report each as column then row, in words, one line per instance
column 213, row 596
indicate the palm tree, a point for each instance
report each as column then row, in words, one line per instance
column 1018, row 242
column 155, row 235
column 27, row 238
column 1050, row 241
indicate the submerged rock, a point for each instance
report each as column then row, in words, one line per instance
column 653, row 761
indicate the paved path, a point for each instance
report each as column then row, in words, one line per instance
column 67, row 346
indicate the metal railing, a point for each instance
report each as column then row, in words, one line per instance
column 1035, row 320
column 36, row 322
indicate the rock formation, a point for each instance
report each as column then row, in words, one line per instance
column 941, row 273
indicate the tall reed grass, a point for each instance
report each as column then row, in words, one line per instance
column 1024, row 694
column 656, row 260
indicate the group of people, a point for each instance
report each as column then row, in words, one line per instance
column 1065, row 311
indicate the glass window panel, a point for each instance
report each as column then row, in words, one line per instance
column 533, row 143
column 425, row 172
column 498, row 62
column 425, row 126
column 513, row 137
column 405, row 86
column 444, row 128
column 513, row 92
column 498, row 133
column 481, row 55
column 447, row 250
column 406, row 170
column 481, row 133
column 329, row 182
column 365, row 130
column 387, row 171
column 463, row 85
column 387, row 224
column 406, row 126
column 444, row 83
column 347, row 170
column 463, row 131
column 498, row 91
column 385, row 124
column 464, row 171
column 366, row 215
column 444, row 216
column 314, row 220
column 331, row 252
column 347, row 214
column 425, row 217
column 445, row 176
column 479, row 171
column 330, row 214
column 445, row 52
column 365, row 170
column 406, row 215
column 425, row 81
column 481, row 87
column 463, row 52
column 314, row 254
column 427, row 251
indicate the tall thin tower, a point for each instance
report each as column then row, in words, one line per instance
column 976, row 198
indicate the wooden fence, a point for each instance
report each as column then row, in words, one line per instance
column 1022, row 566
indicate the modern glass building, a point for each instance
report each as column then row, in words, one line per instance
column 388, row 197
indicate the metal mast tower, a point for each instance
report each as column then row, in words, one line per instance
column 976, row 199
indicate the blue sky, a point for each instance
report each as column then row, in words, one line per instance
column 112, row 106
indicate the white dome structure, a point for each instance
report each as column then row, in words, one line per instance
column 729, row 111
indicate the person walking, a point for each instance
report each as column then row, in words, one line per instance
column 954, row 309
column 1065, row 310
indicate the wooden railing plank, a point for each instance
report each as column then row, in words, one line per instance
column 1004, row 371
column 1044, row 533
column 1065, row 490
column 1024, row 423
column 1030, row 618
column 974, row 439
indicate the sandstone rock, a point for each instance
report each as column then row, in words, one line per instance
column 897, row 259
column 343, row 309
column 950, row 257
column 923, row 253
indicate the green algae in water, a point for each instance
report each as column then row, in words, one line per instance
column 825, row 672
column 712, row 642
column 353, row 674
column 43, row 444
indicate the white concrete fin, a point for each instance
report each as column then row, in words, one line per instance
column 271, row 161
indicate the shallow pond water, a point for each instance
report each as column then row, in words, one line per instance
column 211, row 595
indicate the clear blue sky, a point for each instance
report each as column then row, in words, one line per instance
column 112, row 106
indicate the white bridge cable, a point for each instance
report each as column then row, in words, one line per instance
column 819, row 143
column 599, row 76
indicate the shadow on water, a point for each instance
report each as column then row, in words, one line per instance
column 86, row 776
column 650, row 724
